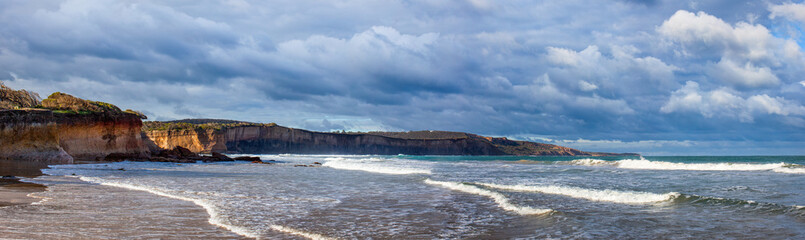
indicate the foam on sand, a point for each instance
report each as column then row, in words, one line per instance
column 373, row 165
column 608, row 195
column 296, row 232
column 215, row 218
column 501, row 200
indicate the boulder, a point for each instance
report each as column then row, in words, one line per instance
column 220, row 157
column 178, row 152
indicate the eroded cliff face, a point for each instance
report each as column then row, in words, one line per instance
column 41, row 135
column 263, row 139
column 196, row 140
column 95, row 136
column 31, row 135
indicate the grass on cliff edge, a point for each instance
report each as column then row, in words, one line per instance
column 196, row 124
column 60, row 103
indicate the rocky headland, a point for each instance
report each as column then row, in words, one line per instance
column 63, row 129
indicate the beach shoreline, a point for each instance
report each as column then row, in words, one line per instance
column 13, row 191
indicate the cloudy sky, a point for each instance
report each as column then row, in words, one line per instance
column 656, row 77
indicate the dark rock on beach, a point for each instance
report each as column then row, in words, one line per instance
column 247, row 158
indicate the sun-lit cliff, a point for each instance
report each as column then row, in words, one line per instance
column 63, row 128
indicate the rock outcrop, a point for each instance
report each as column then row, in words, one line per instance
column 43, row 135
column 67, row 128
column 256, row 138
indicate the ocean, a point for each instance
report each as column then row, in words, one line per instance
column 421, row 197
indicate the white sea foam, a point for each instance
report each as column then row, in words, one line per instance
column 374, row 165
column 501, row 200
column 608, row 195
column 642, row 163
column 41, row 199
column 215, row 217
column 591, row 162
column 799, row 170
column 296, row 232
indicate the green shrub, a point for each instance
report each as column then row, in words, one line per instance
column 66, row 102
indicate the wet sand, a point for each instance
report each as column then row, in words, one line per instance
column 12, row 190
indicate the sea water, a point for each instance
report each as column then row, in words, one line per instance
column 421, row 197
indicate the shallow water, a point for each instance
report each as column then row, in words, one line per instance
column 424, row 197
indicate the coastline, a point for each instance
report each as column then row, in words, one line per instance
column 12, row 190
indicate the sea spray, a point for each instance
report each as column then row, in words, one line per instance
column 608, row 195
column 501, row 200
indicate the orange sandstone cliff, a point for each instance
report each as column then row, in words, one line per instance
column 42, row 135
column 63, row 128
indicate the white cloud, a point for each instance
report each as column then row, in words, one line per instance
column 724, row 103
column 748, row 75
column 585, row 86
column 590, row 69
column 750, row 56
column 743, row 41
column 791, row 11
column 563, row 56
column 550, row 98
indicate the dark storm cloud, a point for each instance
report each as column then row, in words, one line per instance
column 615, row 72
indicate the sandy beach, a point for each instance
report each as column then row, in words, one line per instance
column 12, row 190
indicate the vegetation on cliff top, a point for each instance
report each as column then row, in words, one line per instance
column 17, row 99
column 420, row 134
column 57, row 102
column 62, row 102
column 199, row 124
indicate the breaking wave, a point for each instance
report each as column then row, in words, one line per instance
column 374, row 165
column 501, row 200
column 642, row 163
column 608, row 195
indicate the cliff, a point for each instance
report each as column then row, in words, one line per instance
column 31, row 135
column 241, row 137
column 95, row 136
column 47, row 136
column 63, row 128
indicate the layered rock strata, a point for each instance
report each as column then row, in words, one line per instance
column 46, row 136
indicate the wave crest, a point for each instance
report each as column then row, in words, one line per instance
column 607, row 195
column 501, row 200
column 374, row 165
column 642, row 163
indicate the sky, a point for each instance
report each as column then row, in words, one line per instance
column 655, row 77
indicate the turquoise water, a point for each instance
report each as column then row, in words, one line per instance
column 460, row 197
